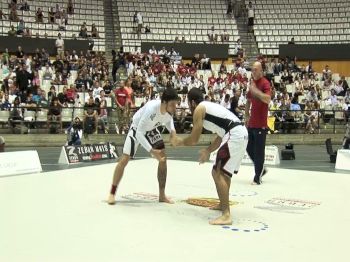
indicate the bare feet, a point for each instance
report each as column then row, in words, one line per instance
column 165, row 199
column 216, row 207
column 111, row 200
column 223, row 220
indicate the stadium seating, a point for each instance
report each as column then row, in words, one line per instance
column 170, row 19
column 89, row 11
column 308, row 21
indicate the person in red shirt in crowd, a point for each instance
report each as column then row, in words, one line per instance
column 158, row 68
column 71, row 94
column 121, row 100
column 258, row 99
column 182, row 69
column 211, row 80
column 192, row 70
column 220, row 79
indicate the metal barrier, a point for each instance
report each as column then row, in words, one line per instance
column 41, row 115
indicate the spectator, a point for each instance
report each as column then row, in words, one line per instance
column 96, row 90
column 291, row 42
column 5, row 104
column 103, row 114
column 212, row 36
column 339, row 90
column 225, row 102
column 83, row 31
column 183, row 40
column 147, row 29
column 326, row 73
column 250, row 17
column 108, row 88
column 90, row 117
column 60, row 46
column 13, row 16
column 153, row 51
column 139, row 22
column 54, row 115
column 121, row 95
column 20, row 27
column 2, row 15
column 229, row 9
column 48, row 73
column 24, row 5
column 94, row 32
column 64, row 16
column 51, row 16
column 70, row 7
column 75, row 132
column 27, row 33
column 15, row 113
column 39, row 16
column 51, row 95
column 12, row 31
column 225, row 36
column 332, row 100
column 61, row 23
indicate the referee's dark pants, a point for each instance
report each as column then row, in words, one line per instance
column 256, row 150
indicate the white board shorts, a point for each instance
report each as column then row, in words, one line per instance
column 231, row 151
column 131, row 143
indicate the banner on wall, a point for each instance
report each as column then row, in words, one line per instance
column 88, row 153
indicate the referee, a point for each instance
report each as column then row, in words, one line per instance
column 258, row 99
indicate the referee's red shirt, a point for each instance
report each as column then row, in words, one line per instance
column 259, row 110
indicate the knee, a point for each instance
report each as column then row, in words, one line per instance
column 124, row 160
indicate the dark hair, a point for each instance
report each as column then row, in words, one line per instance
column 195, row 95
column 169, row 94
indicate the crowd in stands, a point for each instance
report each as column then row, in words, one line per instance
column 83, row 80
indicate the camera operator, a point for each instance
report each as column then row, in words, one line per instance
column 75, row 133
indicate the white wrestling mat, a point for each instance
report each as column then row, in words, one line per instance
column 60, row 216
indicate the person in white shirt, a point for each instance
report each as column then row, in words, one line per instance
column 172, row 52
column 250, row 17
column 332, row 99
column 242, row 70
column 338, row 88
column 60, row 46
column 139, row 23
column 225, row 101
column 231, row 141
column 238, row 47
column 162, row 52
column 152, row 51
column 144, row 131
column 326, row 73
column 96, row 90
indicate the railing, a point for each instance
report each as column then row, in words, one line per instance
column 287, row 120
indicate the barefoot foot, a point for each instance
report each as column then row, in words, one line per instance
column 111, row 200
column 223, row 220
column 164, row 199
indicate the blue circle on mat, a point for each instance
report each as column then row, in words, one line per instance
column 262, row 227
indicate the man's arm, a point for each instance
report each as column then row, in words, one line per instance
column 256, row 93
column 247, row 111
column 214, row 145
column 204, row 154
column 198, row 116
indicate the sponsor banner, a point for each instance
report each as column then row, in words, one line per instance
column 19, row 163
column 343, row 159
column 88, row 153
